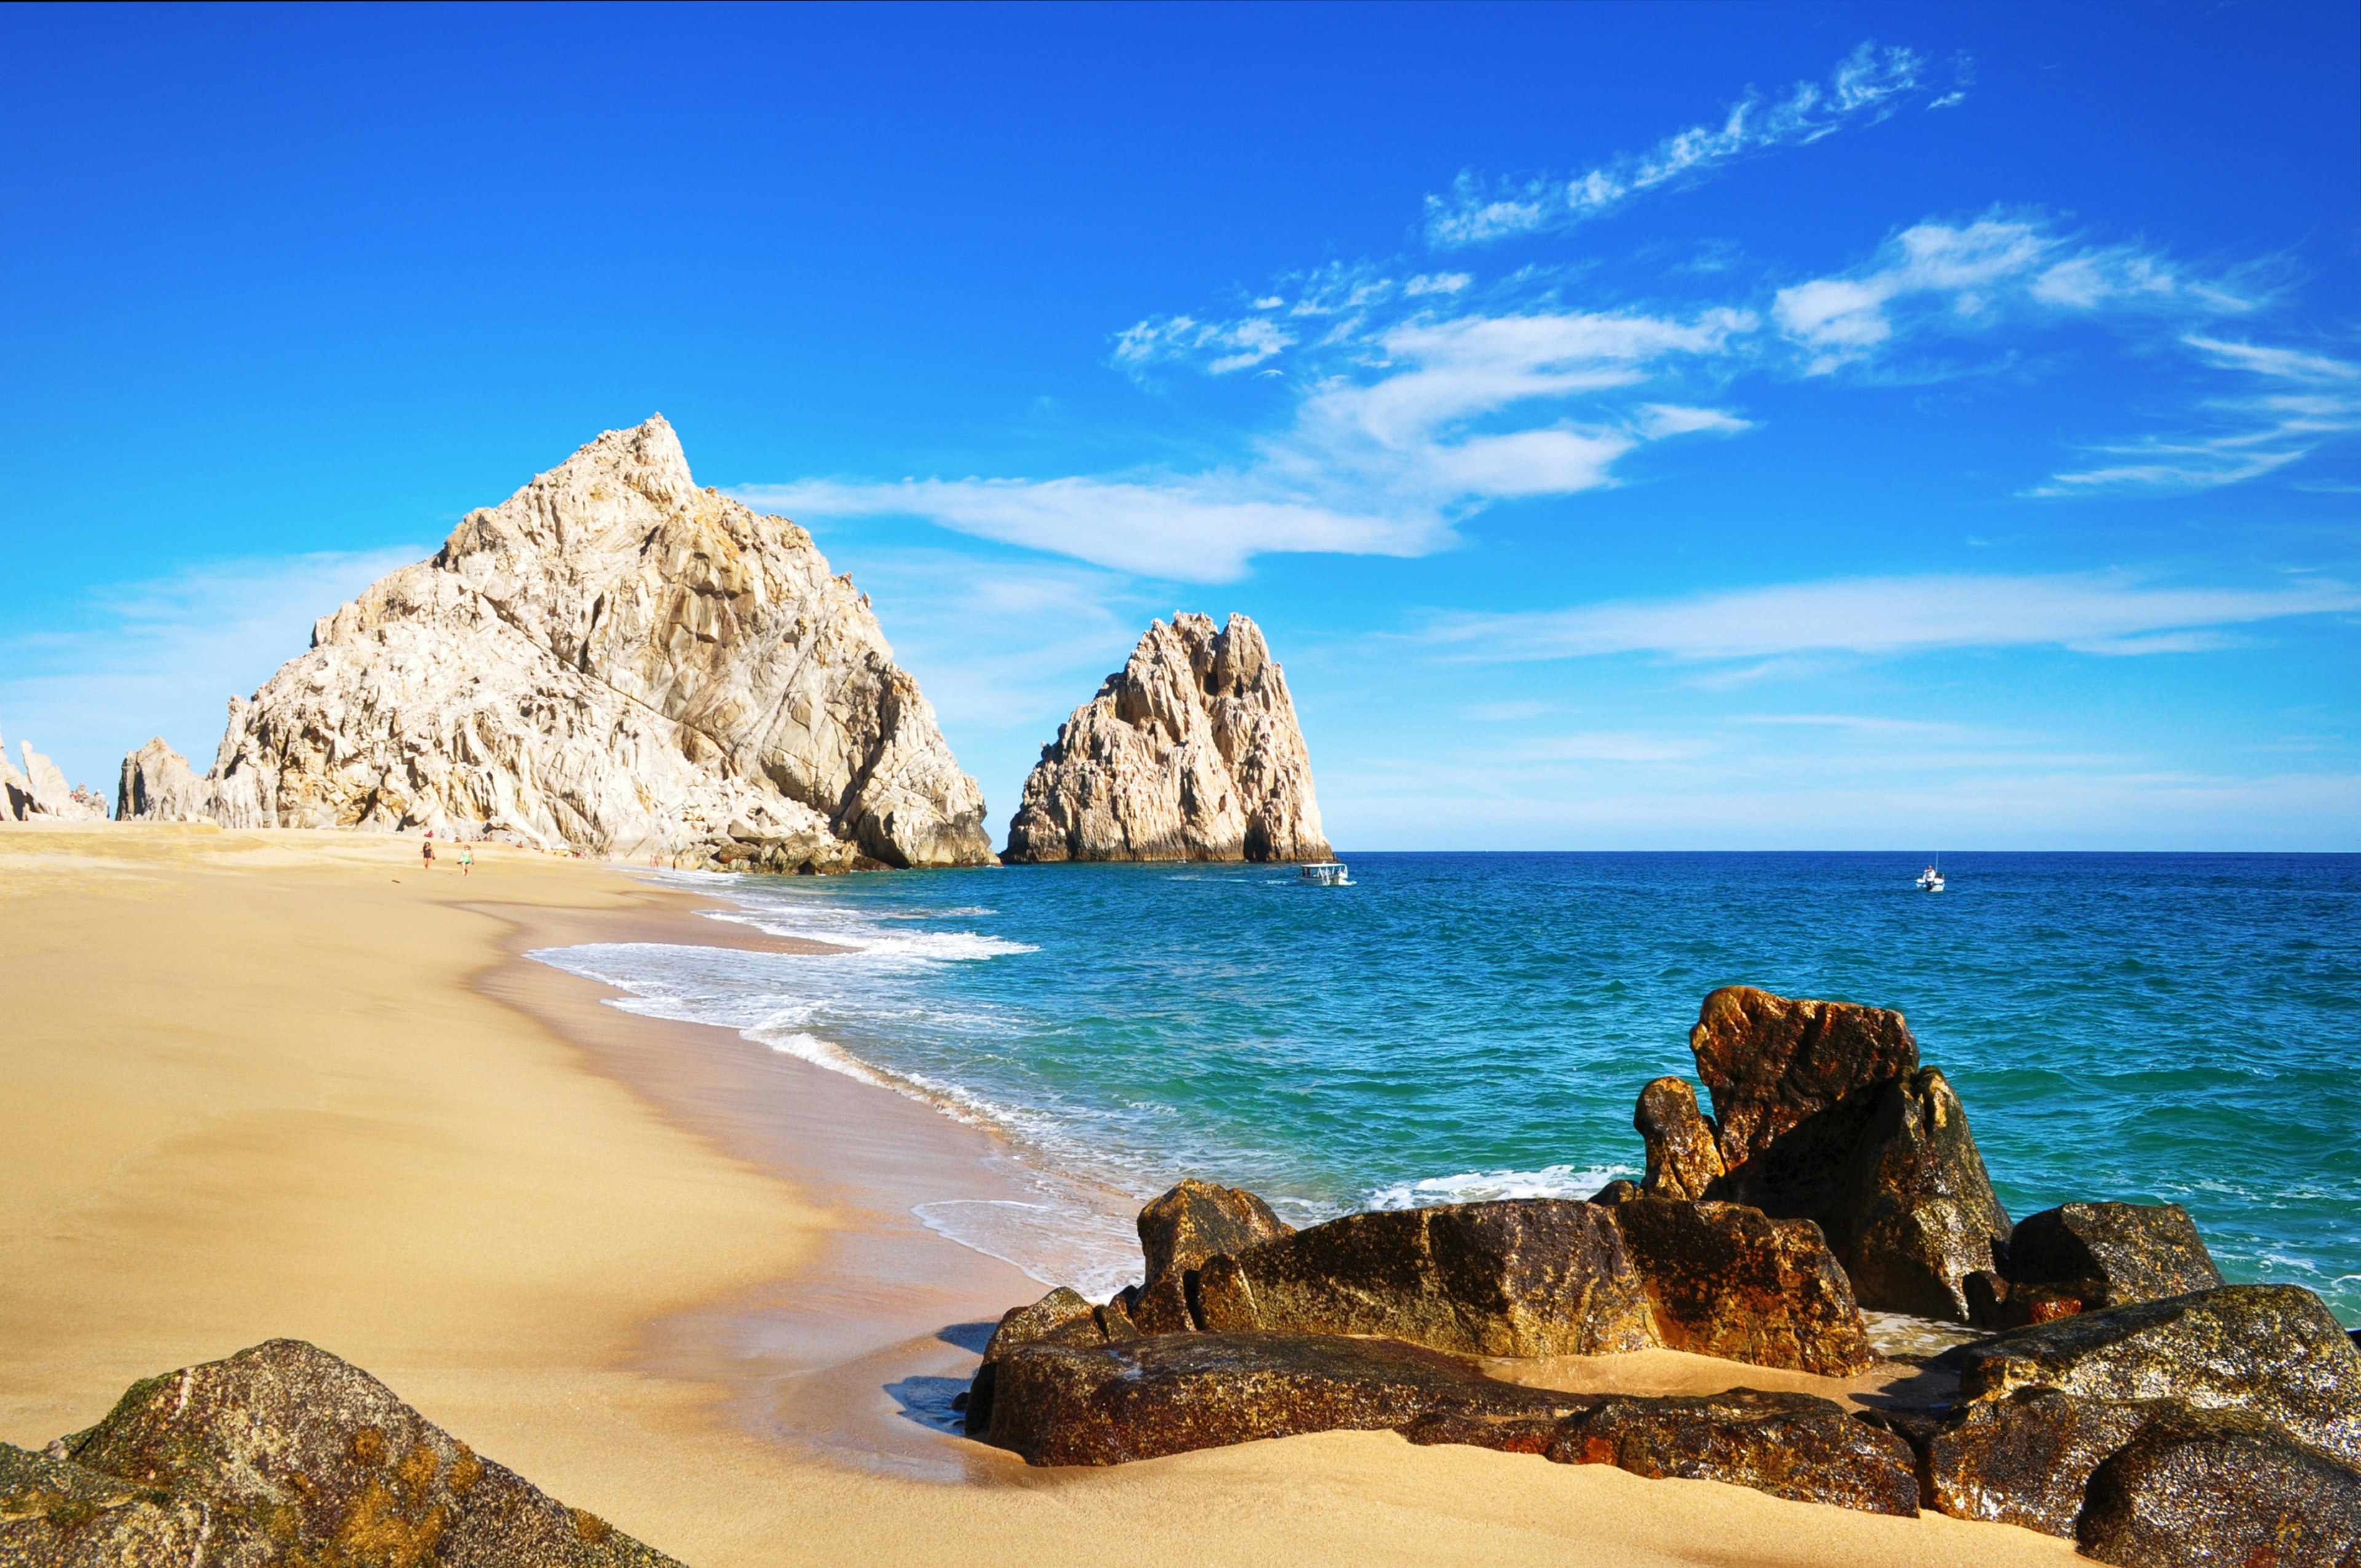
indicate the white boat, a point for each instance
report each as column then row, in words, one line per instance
column 1322, row 873
column 1931, row 879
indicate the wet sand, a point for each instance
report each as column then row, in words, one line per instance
column 284, row 1083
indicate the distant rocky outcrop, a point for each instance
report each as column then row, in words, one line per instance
column 611, row 660
column 1189, row 753
column 283, row 1454
column 40, row 790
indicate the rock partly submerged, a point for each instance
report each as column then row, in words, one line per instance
column 283, row 1454
column 1189, row 753
column 611, row 660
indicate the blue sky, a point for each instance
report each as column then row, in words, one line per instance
column 1696, row 426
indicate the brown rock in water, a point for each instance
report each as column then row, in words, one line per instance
column 1195, row 1220
column 2138, row 1252
column 1921, row 1216
column 1724, row 1280
column 1790, row 1445
column 2201, row 1487
column 2271, row 1351
column 1062, row 1317
column 1775, row 1064
column 2025, row 1459
column 291, row 1455
column 1683, row 1162
column 1173, row 1393
column 1520, row 1276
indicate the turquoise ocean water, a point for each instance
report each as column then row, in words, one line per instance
column 2145, row 1027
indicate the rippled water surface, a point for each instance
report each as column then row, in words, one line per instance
column 2137, row 1026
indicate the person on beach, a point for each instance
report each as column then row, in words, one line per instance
column 466, row 859
column 426, row 853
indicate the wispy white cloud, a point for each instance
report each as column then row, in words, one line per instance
column 1383, row 458
column 2308, row 400
column 162, row 656
column 1976, row 275
column 1866, row 86
column 1890, row 616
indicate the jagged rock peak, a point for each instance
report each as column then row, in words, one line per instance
column 41, row 791
column 1189, row 753
column 613, row 660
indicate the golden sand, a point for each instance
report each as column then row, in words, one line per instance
column 261, row 1084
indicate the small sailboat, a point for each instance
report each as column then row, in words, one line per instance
column 1931, row 879
column 1322, row 873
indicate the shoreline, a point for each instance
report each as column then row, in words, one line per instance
column 268, row 1089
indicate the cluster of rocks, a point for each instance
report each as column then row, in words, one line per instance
column 41, row 790
column 613, row 660
column 2124, row 1396
column 282, row 1454
column 1190, row 752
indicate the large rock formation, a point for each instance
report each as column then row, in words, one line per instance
column 283, row 1454
column 613, row 660
column 1189, row 753
column 41, row 791
column 1822, row 1112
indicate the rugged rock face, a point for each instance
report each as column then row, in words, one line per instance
column 2204, row 1487
column 2025, row 1460
column 1790, row 1445
column 1172, row 1393
column 2270, row 1351
column 1178, row 1232
column 41, row 790
column 1520, row 1276
column 1723, row 1280
column 158, row 786
column 613, row 660
column 1921, row 1212
column 283, row 1453
column 2112, row 1254
column 1823, row 1113
column 1189, row 753
column 1683, row 1161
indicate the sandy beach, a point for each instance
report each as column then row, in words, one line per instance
column 288, row 1083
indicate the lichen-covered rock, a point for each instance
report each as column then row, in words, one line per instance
column 1178, row 1232
column 56, row 1513
column 2136, row 1251
column 2025, row 1459
column 1519, row 1277
column 1790, row 1445
column 2272, row 1351
column 2208, row 1487
column 289, row 1454
column 1920, row 1215
column 613, row 660
column 1189, row 753
column 1683, row 1161
column 1062, row 1317
column 1724, row 1280
column 1777, row 1065
column 1173, row 1393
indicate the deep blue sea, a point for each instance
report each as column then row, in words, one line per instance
column 2145, row 1027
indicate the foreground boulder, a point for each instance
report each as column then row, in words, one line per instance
column 1172, row 1393
column 2025, row 1460
column 2196, row 1487
column 611, row 660
column 2129, row 1252
column 284, row 1454
column 1062, row 1317
column 2269, row 1351
column 1189, row 753
column 1519, row 1277
column 1822, row 1112
column 1725, row 1279
column 1683, row 1159
column 1790, row 1445
column 1178, row 1232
